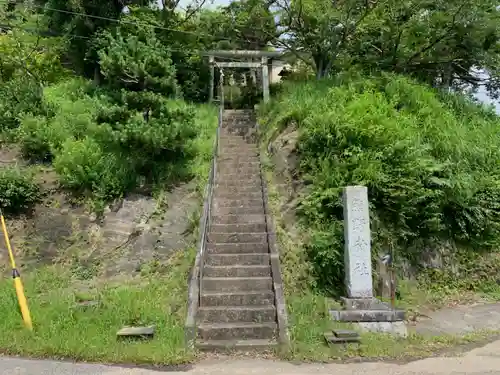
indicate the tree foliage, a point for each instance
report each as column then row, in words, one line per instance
column 135, row 59
column 438, row 42
column 429, row 161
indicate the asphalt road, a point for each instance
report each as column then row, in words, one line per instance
column 480, row 361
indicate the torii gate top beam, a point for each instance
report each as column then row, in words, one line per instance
column 243, row 53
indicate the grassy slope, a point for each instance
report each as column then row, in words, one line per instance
column 309, row 319
column 309, row 107
column 61, row 330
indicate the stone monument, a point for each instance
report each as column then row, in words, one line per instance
column 357, row 249
column 360, row 306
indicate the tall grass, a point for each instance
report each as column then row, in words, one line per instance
column 431, row 163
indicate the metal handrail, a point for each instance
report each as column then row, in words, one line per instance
column 206, row 220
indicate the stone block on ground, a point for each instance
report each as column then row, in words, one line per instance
column 393, row 328
column 332, row 339
column 345, row 333
column 364, row 304
column 367, row 315
column 136, row 332
column 84, row 305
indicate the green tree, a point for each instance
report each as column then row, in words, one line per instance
column 132, row 57
column 27, row 63
column 439, row 42
column 81, row 20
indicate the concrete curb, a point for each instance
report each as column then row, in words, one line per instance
column 284, row 338
column 190, row 329
column 193, row 304
column 194, row 286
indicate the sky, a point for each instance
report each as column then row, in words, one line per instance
column 483, row 97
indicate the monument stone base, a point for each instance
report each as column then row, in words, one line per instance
column 371, row 315
column 391, row 328
column 361, row 308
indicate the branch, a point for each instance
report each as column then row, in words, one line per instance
column 396, row 46
column 191, row 13
column 440, row 38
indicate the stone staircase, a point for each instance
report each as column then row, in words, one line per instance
column 237, row 295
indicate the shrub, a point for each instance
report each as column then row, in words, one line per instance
column 83, row 166
column 104, row 143
column 431, row 166
column 136, row 60
column 68, row 113
column 18, row 191
column 18, row 96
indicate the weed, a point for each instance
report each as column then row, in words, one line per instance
column 90, row 334
column 430, row 168
column 18, row 190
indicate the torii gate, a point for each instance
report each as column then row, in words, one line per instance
column 242, row 54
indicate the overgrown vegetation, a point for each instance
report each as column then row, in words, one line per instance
column 428, row 160
column 100, row 143
column 66, row 328
column 110, row 113
column 18, row 192
column 109, row 98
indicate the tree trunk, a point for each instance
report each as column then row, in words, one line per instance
column 323, row 65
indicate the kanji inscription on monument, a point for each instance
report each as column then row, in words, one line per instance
column 357, row 250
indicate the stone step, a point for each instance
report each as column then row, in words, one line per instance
column 246, row 135
column 233, row 175
column 245, row 147
column 250, row 184
column 248, row 210
column 238, row 180
column 239, row 228
column 228, row 331
column 225, row 135
column 254, row 188
column 265, row 297
column 236, row 345
column 235, row 144
column 237, row 151
column 244, row 119
column 238, row 159
column 216, row 237
column 236, row 271
column 238, row 117
column 224, row 174
column 238, row 164
column 231, row 194
column 240, row 128
column 240, row 123
column 231, row 153
column 229, row 126
column 239, row 168
column 252, row 259
column 239, row 219
column 238, row 248
column 234, row 138
column 236, row 284
column 223, row 202
column 237, row 314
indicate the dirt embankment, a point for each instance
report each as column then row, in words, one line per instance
column 134, row 234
